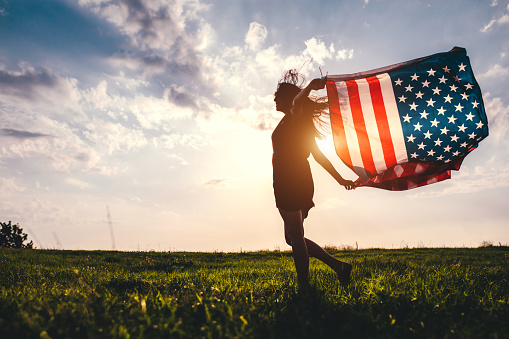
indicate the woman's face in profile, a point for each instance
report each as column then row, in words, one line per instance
column 282, row 104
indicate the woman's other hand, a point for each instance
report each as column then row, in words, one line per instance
column 348, row 184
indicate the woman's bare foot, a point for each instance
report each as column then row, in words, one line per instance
column 343, row 271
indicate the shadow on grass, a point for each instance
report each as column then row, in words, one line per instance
column 307, row 314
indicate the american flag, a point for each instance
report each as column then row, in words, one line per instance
column 409, row 124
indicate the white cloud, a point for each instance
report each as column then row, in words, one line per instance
column 498, row 117
column 256, row 35
column 502, row 20
column 9, row 186
column 75, row 182
column 344, row 54
column 467, row 181
column 495, row 71
column 317, row 49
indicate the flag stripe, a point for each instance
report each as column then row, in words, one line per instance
column 360, row 128
column 349, row 130
column 382, row 122
column 368, row 112
column 393, row 119
column 338, row 129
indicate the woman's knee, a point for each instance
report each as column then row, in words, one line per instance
column 287, row 238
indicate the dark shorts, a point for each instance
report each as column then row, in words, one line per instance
column 294, row 189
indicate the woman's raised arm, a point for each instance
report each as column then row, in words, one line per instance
column 314, row 85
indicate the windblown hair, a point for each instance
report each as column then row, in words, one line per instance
column 316, row 107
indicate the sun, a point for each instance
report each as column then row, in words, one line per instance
column 326, row 145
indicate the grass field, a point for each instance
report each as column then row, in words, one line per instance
column 422, row 293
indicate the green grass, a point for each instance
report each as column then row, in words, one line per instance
column 422, row 293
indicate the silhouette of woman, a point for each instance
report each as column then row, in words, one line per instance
column 293, row 140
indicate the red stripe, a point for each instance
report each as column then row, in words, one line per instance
column 381, row 120
column 360, row 127
column 338, row 129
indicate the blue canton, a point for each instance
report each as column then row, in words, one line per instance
column 440, row 107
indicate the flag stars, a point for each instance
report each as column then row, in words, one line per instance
column 438, row 142
column 440, row 158
column 462, row 67
column 457, row 78
column 462, row 128
column 470, row 116
column 480, row 124
column 453, row 88
column 475, row 104
column 431, row 72
column 444, row 130
column 417, row 127
column 446, row 69
column 458, row 107
column 424, row 115
column 447, row 148
column 436, row 91
column 414, row 155
column 430, row 102
column 409, row 88
column 419, row 95
column 464, row 96
column 464, row 145
column 431, row 153
column 443, row 79
column 421, row 145
column 427, row 135
column 407, row 118
column 414, row 77
column 454, row 138
column 434, row 123
column 472, row 136
column 469, row 86
column 402, row 98
column 452, row 119
column 448, row 98
column 441, row 110
column 413, row 106
column 411, row 138
column 426, row 83
column 398, row 82
column 456, row 153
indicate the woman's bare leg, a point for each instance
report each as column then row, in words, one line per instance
column 341, row 268
column 294, row 231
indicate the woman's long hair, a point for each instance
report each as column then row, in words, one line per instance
column 316, row 107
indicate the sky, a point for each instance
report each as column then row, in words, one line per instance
column 160, row 112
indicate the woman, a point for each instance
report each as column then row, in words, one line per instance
column 292, row 141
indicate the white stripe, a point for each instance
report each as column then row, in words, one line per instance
column 398, row 139
column 371, row 126
column 351, row 136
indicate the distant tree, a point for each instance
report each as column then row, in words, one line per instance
column 12, row 236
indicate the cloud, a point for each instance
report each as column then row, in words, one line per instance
column 24, row 83
column 468, row 181
column 78, row 183
column 256, row 35
column 162, row 35
column 502, row 20
column 495, row 71
column 217, row 183
column 9, row 186
column 40, row 91
column 498, row 117
column 21, row 134
column 180, row 97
